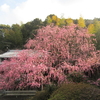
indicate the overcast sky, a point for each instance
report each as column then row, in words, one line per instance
column 16, row 11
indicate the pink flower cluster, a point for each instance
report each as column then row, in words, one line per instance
column 28, row 71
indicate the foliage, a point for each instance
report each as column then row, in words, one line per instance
column 45, row 94
column 98, row 40
column 97, row 33
column 53, row 19
column 69, row 21
column 94, row 28
column 2, row 26
column 50, row 19
column 51, row 88
column 40, row 95
column 81, row 22
column 62, row 21
column 96, row 25
column 30, row 29
column 79, row 91
column 14, row 36
column 1, row 40
column 91, row 28
column 3, row 44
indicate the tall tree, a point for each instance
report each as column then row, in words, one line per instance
column 81, row 22
column 62, row 22
column 48, row 19
column 69, row 21
column 1, row 40
column 96, row 25
column 97, row 32
column 14, row 36
column 30, row 28
column 91, row 28
column 3, row 45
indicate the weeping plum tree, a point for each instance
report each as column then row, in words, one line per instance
column 28, row 71
column 70, row 44
column 52, row 54
column 70, row 48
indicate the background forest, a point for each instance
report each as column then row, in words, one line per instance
column 16, row 36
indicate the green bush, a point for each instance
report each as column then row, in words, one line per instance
column 76, row 91
column 41, row 95
column 44, row 94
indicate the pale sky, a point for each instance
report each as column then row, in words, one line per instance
column 16, row 11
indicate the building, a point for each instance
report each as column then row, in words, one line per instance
column 14, row 53
column 9, row 54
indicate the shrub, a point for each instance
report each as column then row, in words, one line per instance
column 44, row 94
column 28, row 71
column 76, row 91
column 41, row 95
